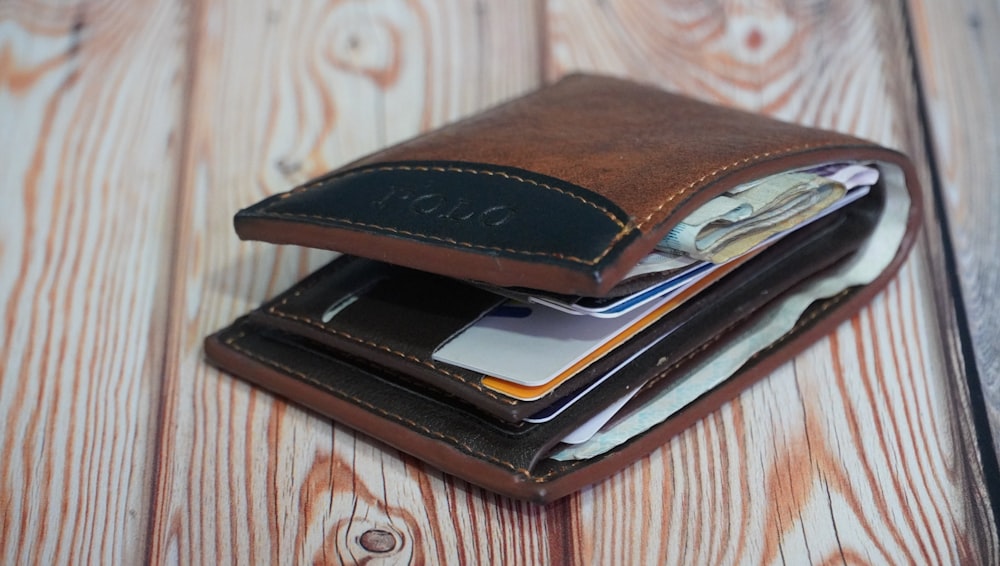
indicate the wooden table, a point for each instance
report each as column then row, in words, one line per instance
column 130, row 132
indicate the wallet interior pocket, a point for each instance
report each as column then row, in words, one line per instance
column 712, row 376
column 560, row 192
column 288, row 337
column 394, row 318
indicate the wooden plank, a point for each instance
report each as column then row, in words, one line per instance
column 849, row 453
column 957, row 46
column 282, row 92
column 90, row 102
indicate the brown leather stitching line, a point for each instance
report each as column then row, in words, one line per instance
column 312, row 322
column 656, row 379
column 525, row 472
column 231, row 342
column 716, row 172
column 404, row 355
column 611, row 216
column 438, row 169
column 802, row 321
column 624, row 228
column 452, row 241
column 832, row 302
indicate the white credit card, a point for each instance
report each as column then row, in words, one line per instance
column 531, row 344
column 587, row 430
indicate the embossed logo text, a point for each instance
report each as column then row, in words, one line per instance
column 441, row 206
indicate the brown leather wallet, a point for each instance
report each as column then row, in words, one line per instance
column 561, row 191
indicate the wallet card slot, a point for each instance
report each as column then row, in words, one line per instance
column 411, row 310
column 816, row 254
column 399, row 316
column 381, row 394
column 395, row 317
column 391, row 315
column 391, row 307
column 824, row 257
column 384, row 395
column 523, row 448
column 519, row 453
column 247, row 348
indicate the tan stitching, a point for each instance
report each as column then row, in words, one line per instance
column 716, row 172
column 404, row 355
column 801, row 322
column 452, row 241
column 832, row 302
column 371, row 407
column 437, row 169
column 624, row 228
column 273, row 309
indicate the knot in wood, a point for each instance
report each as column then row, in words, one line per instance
column 377, row 540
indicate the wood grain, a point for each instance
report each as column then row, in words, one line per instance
column 91, row 101
column 283, row 92
column 869, row 407
column 131, row 132
column 956, row 45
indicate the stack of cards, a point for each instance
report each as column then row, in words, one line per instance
column 535, row 342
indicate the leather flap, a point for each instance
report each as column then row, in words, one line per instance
column 464, row 220
column 562, row 190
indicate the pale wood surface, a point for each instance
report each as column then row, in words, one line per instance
column 958, row 47
column 281, row 93
column 90, row 130
column 845, row 66
column 133, row 131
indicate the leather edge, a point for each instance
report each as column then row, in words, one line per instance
column 438, row 454
column 594, row 280
column 542, row 489
column 591, row 473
